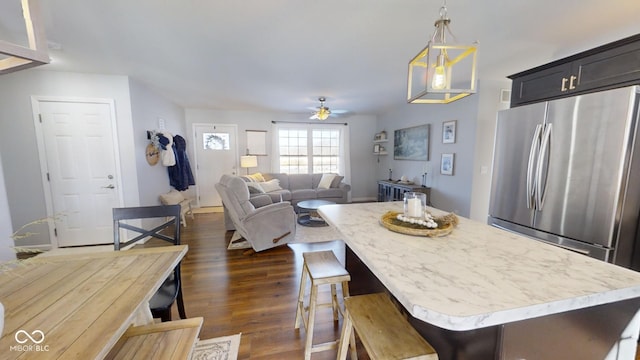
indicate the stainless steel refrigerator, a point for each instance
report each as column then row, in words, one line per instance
column 567, row 172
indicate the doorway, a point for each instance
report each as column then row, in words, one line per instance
column 216, row 153
column 78, row 149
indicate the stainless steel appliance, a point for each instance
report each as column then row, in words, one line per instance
column 568, row 172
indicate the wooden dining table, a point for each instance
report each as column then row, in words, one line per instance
column 78, row 306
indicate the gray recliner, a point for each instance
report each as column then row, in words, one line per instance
column 264, row 227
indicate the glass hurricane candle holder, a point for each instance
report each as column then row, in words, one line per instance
column 414, row 204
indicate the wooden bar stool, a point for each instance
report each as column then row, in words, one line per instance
column 383, row 330
column 322, row 268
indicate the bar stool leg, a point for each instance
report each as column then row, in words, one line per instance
column 300, row 311
column 334, row 302
column 347, row 338
column 313, row 299
column 352, row 343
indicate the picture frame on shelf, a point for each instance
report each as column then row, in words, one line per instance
column 449, row 132
column 376, row 148
column 447, row 163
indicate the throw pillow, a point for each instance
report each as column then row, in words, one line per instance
column 255, row 188
column 271, row 185
column 336, row 181
column 325, row 181
column 257, row 177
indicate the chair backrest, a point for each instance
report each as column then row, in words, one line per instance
column 120, row 215
column 235, row 196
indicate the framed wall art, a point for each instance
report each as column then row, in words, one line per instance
column 411, row 143
column 447, row 164
column 256, row 142
column 449, row 132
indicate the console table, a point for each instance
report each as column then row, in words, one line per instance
column 389, row 190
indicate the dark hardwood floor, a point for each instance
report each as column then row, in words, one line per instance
column 250, row 294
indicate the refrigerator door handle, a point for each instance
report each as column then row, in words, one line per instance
column 539, row 193
column 533, row 152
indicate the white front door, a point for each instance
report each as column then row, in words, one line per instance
column 216, row 153
column 81, row 166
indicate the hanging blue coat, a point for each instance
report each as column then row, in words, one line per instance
column 180, row 176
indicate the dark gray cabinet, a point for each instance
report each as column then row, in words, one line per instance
column 609, row 66
column 394, row 190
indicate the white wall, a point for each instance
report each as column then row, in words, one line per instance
column 361, row 129
column 450, row 193
column 6, row 253
column 147, row 108
column 18, row 146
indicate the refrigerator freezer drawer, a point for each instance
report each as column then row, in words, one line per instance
column 594, row 251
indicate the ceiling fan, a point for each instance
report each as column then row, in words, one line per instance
column 322, row 112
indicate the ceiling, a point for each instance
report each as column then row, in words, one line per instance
column 281, row 55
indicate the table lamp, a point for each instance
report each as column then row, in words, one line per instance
column 248, row 161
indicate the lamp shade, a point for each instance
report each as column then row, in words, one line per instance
column 248, row 161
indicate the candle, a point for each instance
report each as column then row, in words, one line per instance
column 414, row 208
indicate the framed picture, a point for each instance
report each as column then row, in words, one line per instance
column 376, row 148
column 449, row 132
column 256, row 142
column 446, row 164
column 411, row 143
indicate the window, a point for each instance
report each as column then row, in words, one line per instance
column 309, row 149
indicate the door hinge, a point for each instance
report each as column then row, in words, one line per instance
column 55, row 232
column 40, row 118
column 48, row 178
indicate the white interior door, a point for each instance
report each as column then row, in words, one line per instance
column 216, row 153
column 82, row 169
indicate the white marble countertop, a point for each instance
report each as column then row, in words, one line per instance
column 477, row 276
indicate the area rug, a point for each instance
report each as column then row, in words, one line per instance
column 221, row 348
column 304, row 234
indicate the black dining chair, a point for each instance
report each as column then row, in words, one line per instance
column 171, row 290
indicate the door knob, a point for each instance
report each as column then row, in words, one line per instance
column 110, row 186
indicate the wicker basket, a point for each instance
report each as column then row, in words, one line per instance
column 445, row 223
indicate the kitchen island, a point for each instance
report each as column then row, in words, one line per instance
column 484, row 293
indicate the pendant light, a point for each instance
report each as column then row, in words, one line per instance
column 442, row 72
column 15, row 56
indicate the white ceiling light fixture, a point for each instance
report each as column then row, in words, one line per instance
column 432, row 78
column 14, row 57
column 322, row 112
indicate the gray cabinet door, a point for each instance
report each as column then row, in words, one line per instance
column 584, row 164
column 513, row 147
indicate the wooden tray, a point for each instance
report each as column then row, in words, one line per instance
column 445, row 223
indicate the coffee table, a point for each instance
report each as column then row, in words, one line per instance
column 310, row 216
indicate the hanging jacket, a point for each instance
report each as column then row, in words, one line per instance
column 180, row 175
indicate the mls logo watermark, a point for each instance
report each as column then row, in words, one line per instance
column 29, row 341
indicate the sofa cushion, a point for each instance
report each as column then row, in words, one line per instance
column 257, row 177
column 329, row 193
column 326, row 181
column 255, row 188
column 303, row 194
column 336, row 181
column 280, row 195
column 284, row 179
column 271, row 185
column 301, row 181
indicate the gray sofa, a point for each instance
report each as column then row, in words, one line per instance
column 295, row 188
column 300, row 187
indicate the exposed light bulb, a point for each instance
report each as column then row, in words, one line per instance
column 439, row 80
